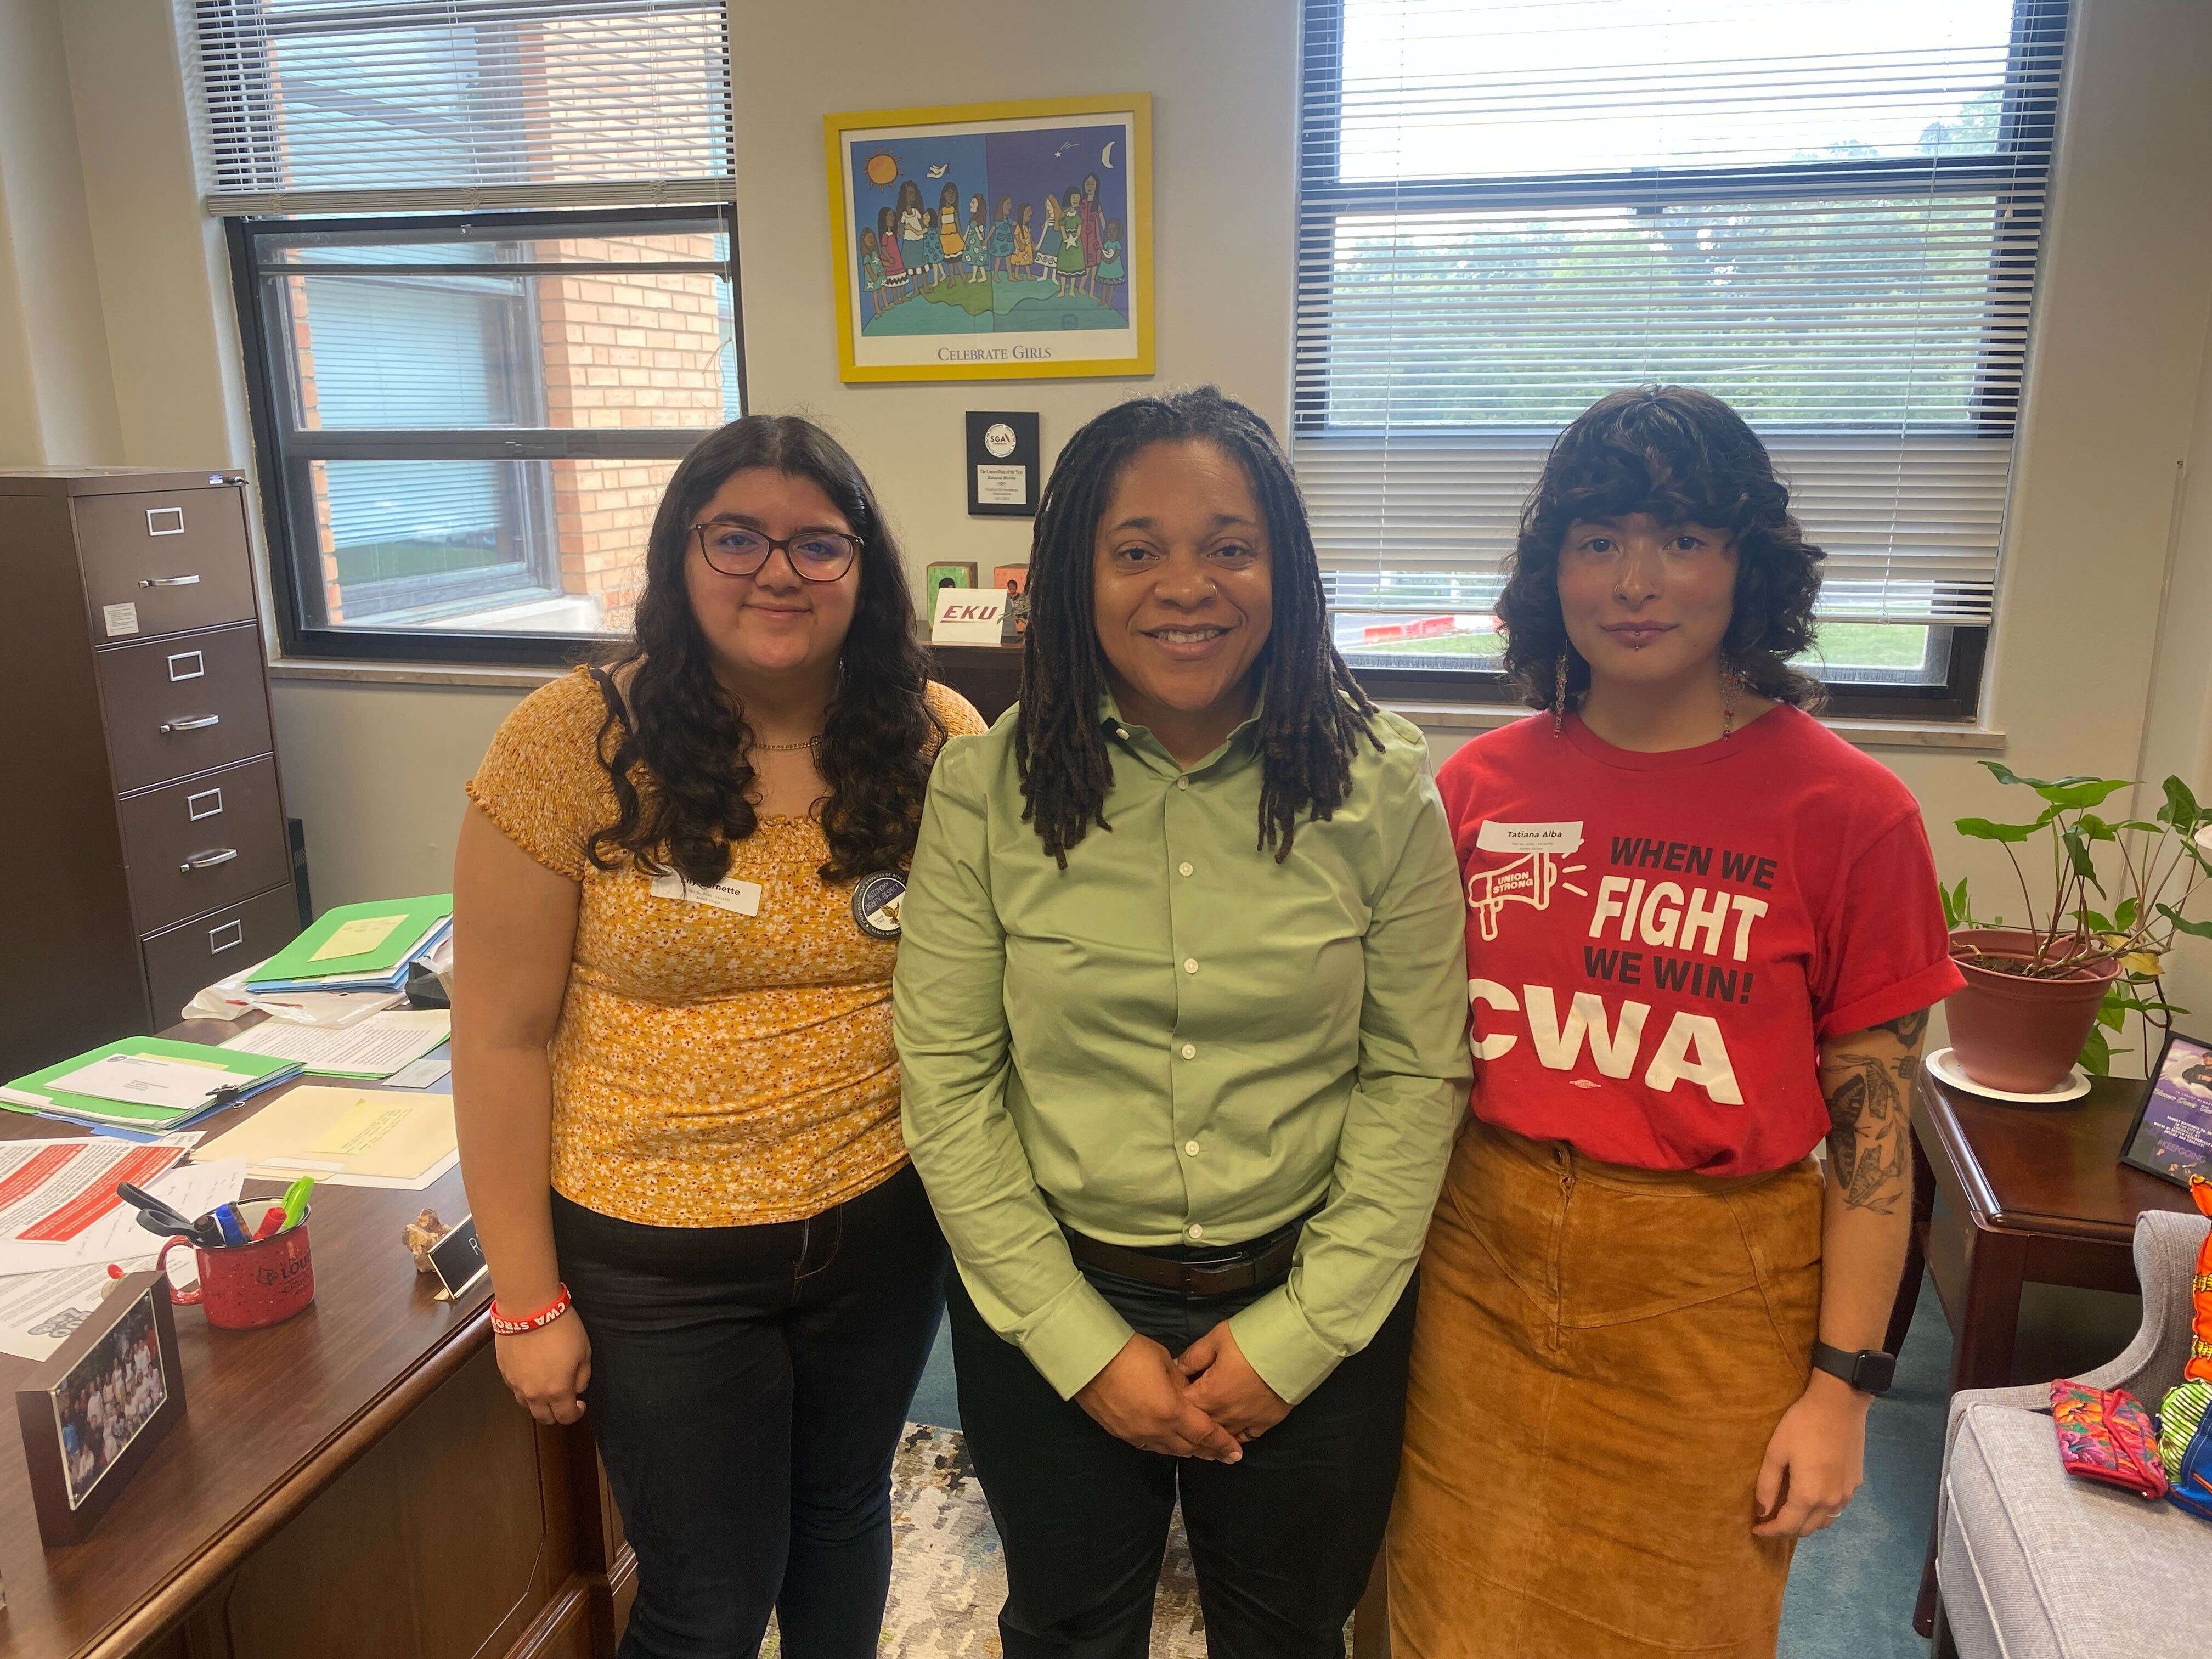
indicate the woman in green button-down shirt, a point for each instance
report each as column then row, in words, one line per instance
column 1182, row 1010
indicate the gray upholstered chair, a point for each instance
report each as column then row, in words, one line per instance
column 2034, row 1563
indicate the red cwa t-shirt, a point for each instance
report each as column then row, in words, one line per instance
column 1656, row 943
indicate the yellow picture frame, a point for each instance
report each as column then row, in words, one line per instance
column 954, row 305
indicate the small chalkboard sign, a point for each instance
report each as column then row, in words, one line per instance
column 1002, row 464
column 458, row 1258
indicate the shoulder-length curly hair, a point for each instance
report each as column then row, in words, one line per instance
column 1313, row 715
column 687, row 736
column 1684, row 457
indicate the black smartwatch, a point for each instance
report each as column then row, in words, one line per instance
column 1868, row 1371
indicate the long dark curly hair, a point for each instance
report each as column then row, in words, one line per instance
column 687, row 736
column 1314, row 715
column 1684, row 457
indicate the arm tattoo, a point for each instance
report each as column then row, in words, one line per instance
column 1869, row 1118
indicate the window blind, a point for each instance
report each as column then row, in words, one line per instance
column 413, row 106
column 1825, row 212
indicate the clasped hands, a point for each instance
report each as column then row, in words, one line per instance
column 1204, row 1402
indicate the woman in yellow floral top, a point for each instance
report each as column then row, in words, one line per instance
column 675, row 906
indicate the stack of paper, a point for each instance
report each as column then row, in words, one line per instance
column 142, row 1088
column 375, row 1048
column 359, row 947
column 346, row 1138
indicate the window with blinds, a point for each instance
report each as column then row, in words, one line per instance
column 1825, row 212
column 485, row 262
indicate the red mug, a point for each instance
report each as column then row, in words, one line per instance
column 245, row 1287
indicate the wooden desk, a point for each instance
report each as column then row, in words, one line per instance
column 2031, row 1194
column 355, row 1481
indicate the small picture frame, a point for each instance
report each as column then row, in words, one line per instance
column 2172, row 1135
column 93, row 1413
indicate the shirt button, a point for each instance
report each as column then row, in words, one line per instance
column 1194, row 1230
column 1190, row 964
column 1121, row 732
column 1185, row 869
column 1190, row 1051
column 1182, row 783
column 1190, row 1149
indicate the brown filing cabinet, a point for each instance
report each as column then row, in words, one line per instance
column 148, row 853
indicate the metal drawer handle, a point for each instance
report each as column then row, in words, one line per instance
column 169, row 581
column 236, row 930
column 175, row 513
column 196, row 723
column 207, row 861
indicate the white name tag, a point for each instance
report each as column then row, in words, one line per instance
column 728, row 894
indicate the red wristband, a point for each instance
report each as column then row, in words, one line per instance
column 506, row 1325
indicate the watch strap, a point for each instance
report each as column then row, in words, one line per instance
column 1869, row 1371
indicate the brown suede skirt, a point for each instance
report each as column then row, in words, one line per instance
column 1600, row 1355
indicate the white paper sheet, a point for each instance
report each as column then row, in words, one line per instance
column 115, row 1235
column 375, row 1047
column 148, row 1080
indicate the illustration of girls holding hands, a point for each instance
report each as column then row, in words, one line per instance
column 1024, row 245
column 1093, row 220
column 872, row 273
column 1113, row 270
column 978, row 238
column 917, row 233
column 1074, row 262
column 949, row 245
column 1002, row 238
column 887, row 252
column 1047, row 243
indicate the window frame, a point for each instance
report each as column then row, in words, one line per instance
column 283, row 473
column 2037, row 26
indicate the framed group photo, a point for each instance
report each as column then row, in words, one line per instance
column 992, row 242
column 2172, row 1135
column 91, row 1414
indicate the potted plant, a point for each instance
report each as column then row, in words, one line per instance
column 2042, row 997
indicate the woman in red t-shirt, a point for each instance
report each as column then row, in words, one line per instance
column 1703, row 935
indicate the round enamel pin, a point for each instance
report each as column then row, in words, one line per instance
column 876, row 905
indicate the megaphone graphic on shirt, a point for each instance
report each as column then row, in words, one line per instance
column 1528, row 880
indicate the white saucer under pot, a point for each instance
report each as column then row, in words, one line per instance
column 1946, row 1068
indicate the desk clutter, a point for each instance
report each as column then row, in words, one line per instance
column 144, row 1207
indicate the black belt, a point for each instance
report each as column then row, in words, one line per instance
column 1257, row 1264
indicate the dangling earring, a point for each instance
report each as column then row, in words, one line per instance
column 1731, row 683
column 1560, row 693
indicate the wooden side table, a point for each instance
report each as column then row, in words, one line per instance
column 2031, row 1194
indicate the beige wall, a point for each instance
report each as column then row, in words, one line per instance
column 56, row 401
column 2103, row 538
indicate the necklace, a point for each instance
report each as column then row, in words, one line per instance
column 783, row 748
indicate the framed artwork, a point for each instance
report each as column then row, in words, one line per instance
column 2172, row 1135
column 91, row 1414
column 992, row 242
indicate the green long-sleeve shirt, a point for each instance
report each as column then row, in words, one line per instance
column 1178, row 1040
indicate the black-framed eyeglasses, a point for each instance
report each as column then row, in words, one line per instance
column 816, row 555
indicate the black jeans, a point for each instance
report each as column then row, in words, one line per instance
column 749, row 1386
column 1282, row 1541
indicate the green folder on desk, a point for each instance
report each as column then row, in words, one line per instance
column 357, row 941
column 248, row 1074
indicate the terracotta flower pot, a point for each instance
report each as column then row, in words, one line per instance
column 2015, row 1034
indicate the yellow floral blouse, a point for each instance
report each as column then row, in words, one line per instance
column 710, row 1069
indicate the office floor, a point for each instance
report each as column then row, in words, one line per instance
column 1851, row 1591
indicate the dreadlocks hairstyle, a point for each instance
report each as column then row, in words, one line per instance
column 1314, row 714
column 1684, row 457
column 687, row 736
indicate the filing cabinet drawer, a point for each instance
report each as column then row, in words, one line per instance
column 202, row 843
column 182, row 961
column 159, row 561
column 179, row 705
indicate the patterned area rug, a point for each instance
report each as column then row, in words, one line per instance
column 947, row 1576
